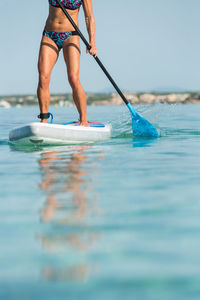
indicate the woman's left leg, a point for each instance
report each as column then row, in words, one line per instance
column 71, row 53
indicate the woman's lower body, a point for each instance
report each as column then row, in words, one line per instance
column 51, row 44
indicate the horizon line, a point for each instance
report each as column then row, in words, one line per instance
column 111, row 92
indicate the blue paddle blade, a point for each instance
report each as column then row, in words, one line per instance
column 141, row 127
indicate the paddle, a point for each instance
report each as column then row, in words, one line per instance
column 140, row 126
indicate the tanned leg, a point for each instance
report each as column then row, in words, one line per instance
column 47, row 58
column 71, row 53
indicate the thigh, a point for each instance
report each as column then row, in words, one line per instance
column 48, row 55
column 71, row 53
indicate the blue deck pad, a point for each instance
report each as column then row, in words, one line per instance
column 92, row 124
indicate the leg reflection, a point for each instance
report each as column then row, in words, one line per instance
column 65, row 181
column 68, row 185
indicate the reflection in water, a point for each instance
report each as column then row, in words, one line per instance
column 139, row 142
column 67, row 180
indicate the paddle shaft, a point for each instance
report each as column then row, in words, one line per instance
column 96, row 58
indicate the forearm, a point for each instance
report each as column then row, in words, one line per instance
column 90, row 24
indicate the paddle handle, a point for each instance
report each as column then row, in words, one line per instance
column 96, row 58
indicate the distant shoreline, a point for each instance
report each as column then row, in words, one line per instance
column 104, row 99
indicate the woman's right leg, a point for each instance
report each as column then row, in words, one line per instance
column 48, row 56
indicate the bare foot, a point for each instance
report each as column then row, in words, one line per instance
column 44, row 121
column 84, row 123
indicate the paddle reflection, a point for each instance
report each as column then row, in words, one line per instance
column 68, row 182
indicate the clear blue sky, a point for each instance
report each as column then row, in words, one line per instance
column 146, row 45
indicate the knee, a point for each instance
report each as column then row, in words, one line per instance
column 74, row 81
column 44, row 80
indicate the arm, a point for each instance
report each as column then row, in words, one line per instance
column 90, row 24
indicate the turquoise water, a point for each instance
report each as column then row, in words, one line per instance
column 115, row 220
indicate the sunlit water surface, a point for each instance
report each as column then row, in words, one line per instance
column 115, row 220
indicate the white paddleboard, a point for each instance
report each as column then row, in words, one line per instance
column 56, row 134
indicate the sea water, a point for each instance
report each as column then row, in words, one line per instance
column 112, row 220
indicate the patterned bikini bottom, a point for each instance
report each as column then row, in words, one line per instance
column 59, row 37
